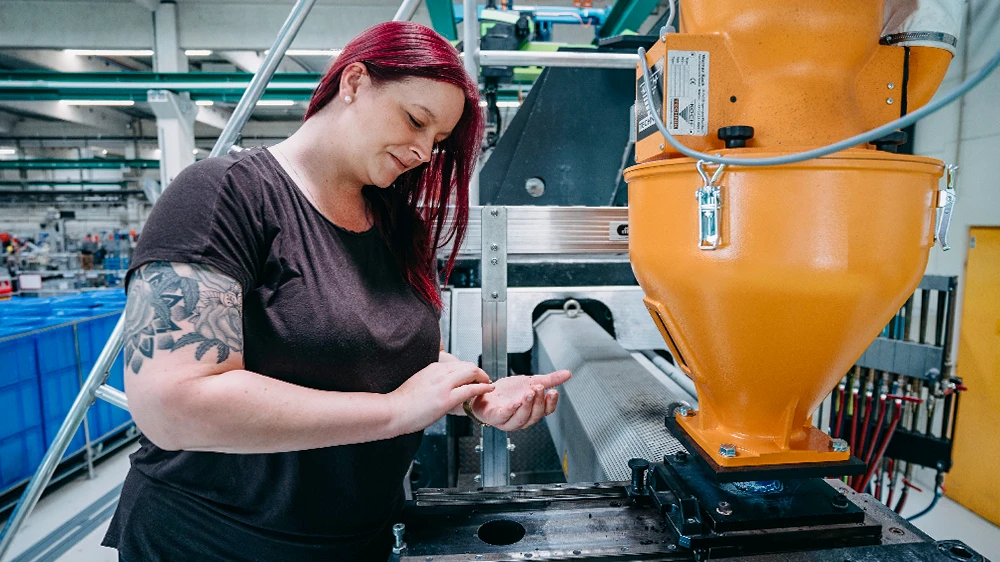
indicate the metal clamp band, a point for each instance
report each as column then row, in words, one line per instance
column 908, row 36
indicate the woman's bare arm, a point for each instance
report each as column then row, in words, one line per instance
column 188, row 389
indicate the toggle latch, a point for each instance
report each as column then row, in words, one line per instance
column 946, row 203
column 709, row 208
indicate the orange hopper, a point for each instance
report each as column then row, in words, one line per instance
column 807, row 262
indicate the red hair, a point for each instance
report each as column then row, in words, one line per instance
column 412, row 212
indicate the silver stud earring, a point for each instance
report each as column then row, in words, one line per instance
column 348, row 99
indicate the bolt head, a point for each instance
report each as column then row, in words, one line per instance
column 686, row 412
column 891, row 85
column 638, row 463
column 478, row 478
column 724, row 509
column 889, row 101
column 495, row 295
column 494, row 261
column 727, row 450
column 494, row 247
column 513, row 476
column 511, row 446
column 479, row 448
column 662, row 147
column 495, row 212
column 839, row 446
column 398, row 528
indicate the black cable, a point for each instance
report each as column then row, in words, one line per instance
column 938, row 492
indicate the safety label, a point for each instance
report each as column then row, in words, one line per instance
column 644, row 125
column 687, row 93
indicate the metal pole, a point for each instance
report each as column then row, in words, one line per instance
column 98, row 375
column 557, row 58
column 263, row 76
column 470, row 42
column 406, row 10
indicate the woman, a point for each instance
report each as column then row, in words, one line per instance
column 282, row 338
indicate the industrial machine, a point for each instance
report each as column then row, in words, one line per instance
column 766, row 265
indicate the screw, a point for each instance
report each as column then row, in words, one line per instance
column 724, row 509
column 479, row 448
column 495, row 295
column 692, row 520
column 727, row 450
column 510, row 446
column 891, row 85
column 896, row 531
column 686, row 411
column 889, row 101
column 397, row 531
column 513, row 476
column 839, row 446
column 494, row 247
column 495, row 212
column 662, row 147
column 494, row 261
column 478, row 478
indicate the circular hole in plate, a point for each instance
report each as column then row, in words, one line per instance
column 501, row 532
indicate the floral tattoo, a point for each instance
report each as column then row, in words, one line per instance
column 162, row 294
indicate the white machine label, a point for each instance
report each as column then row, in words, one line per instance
column 618, row 231
column 687, row 93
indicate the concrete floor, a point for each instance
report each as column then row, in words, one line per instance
column 948, row 520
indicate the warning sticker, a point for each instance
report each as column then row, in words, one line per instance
column 644, row 125
column 687, row 93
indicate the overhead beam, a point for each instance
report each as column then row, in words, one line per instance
column 96, row 117
column 150, row 5
column 250, row 26
column 54, row 59
column 250, row 61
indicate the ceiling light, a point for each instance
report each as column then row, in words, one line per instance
column 312, row 52
column 198, row 53
column 205, row 103
column 115, row 103
column 508, row 104
column 8, row 151
column 276, row 103
column 111, row 52
column 104, row 153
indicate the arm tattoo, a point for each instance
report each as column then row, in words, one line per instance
column 162, row 294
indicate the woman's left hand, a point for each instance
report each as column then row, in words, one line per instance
column 519, row 402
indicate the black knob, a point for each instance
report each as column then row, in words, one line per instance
column 891, row 142
column 681, row 456
column 736, row 136
column 639, row 467
column 840, row 502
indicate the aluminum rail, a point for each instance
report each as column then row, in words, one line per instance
column 260, row 80
column 88, row 394
column 406, row 10
column 558, row 58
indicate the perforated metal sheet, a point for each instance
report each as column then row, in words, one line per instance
column 611, row 410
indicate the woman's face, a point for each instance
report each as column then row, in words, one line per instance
column 398, row 123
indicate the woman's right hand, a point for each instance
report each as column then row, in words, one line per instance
column 434, row 391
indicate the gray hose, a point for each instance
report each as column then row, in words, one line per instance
column 862, row 138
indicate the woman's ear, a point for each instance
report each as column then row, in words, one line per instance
column 353, row 78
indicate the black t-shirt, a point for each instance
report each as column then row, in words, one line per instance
column 324, row 308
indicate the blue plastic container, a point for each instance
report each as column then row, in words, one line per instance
column 21, row 440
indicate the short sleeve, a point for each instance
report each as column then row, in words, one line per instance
column 211, row 214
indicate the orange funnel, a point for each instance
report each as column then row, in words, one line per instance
column 815, row 259
column 810, row 260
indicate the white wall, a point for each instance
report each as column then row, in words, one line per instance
column 967, row 133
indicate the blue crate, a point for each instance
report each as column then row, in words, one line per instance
column 104, row 418
column 20, row 456
column 59, row 389
column 21, row 441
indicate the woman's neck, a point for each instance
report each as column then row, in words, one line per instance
column 319, row 166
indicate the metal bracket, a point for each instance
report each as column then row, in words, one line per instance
column 945, row 202
column 709, row 207
column 495, row 453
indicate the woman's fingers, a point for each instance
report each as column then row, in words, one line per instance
column 551, row 400
column 537, row 405
column 470, row 391
column 467, row 373
column 551, row 379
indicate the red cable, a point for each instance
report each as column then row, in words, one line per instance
column 896, row 415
